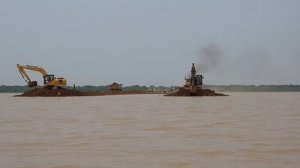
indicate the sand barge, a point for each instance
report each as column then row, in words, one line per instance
column 201, row 92
column 194, row 86
column 43, row 92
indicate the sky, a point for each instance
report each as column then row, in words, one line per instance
column 97, row 42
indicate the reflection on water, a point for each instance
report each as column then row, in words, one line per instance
column 145, row 131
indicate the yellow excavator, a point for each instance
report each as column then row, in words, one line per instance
column 50, row 81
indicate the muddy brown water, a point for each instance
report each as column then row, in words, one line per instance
column 151, row 131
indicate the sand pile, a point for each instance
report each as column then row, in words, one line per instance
column 43, row 92
column 202, row 92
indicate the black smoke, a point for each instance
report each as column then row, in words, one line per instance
column 208, row 58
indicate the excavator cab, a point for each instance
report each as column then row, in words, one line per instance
column 50, row 82
column 199, row 80
column 48, row 79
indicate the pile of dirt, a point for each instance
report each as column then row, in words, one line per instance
column 200, row 92
column 43, row 92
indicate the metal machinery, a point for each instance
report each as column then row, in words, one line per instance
column 115, row 87
column 50, row 81
column 194, row 82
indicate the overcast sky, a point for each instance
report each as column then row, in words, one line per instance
column 152, row 41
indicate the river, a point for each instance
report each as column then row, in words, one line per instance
column 243, row 130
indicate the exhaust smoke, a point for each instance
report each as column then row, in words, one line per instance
column 208, row 58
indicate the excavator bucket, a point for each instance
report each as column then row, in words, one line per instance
column 32, row 83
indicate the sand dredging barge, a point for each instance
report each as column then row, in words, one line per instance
column 193, row 87
column 44, row 92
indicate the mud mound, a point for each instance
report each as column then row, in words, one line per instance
column 42, row 92
column 202, row 92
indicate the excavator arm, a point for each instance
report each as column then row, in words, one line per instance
column 23, row 73
column 26, row 77
column 33, row 68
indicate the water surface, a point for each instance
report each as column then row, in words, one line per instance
column 151, row 131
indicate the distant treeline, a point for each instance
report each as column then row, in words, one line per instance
column 221, row 88
column 255, row 88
